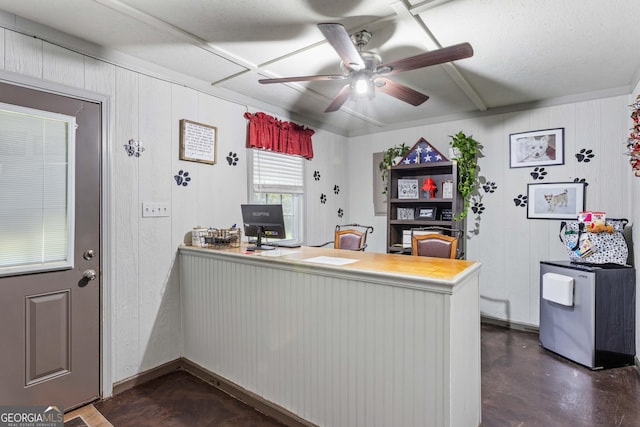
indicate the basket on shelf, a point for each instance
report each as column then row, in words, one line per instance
column 223, row 237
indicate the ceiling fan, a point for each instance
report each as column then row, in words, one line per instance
column 365, row 71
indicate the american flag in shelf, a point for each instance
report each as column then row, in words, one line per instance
column 423, row 152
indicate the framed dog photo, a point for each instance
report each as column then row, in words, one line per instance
column 536, row 148
column 426, row 213
column 555, row 200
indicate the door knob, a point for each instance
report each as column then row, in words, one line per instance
column 89, row 274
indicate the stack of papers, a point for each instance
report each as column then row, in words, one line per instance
column 331, row 260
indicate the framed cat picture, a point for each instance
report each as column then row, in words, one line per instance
column 555, row 200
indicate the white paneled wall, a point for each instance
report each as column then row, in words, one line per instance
column 2, row 48
column 125, row 186
column 330, row 160
column 158, row 327
column 184, row 103
column 509, row 245
column 63, row 66
column 145, row 316
column 23, row 55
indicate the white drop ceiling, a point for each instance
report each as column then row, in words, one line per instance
column 525, row 52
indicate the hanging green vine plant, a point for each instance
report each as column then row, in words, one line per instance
column 466, row 151
column 388, row 160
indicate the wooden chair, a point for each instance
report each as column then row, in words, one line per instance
column 434, row 245
column 350, row 236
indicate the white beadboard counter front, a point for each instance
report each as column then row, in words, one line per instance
column 338, row 338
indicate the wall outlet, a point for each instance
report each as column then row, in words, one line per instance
column 154, row 209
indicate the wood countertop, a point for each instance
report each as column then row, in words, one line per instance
column 440, row 271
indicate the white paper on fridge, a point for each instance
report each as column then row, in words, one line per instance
column 557, row 288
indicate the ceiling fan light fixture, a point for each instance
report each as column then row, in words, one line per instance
column 362, row 84
column 366, row 72
column 361, row 38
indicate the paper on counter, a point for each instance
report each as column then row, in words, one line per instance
column 330, row 260
column 277, row 252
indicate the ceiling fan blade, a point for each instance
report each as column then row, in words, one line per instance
column 303, row 78
column 434, row 57
column 402, row 92
column 339, row 39
column 339, row 100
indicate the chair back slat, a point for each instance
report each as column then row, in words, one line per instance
column 434, row 245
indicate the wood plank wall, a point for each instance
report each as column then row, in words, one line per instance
column 145, row 317
column 509, row 245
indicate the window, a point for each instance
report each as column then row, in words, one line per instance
column 279, row 179
column 36, row 190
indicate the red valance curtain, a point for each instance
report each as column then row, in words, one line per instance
column 269, row 133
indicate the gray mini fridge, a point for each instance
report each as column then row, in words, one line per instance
column 587, row 313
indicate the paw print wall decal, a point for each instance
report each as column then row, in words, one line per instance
column 316, row 175
column 323, row 198
column 340, row 213
column 490, row 187
column 538, row 173
column 581, row 180
column 232, row 158
column 182, row 178
column 477, row 208
column 585, row 155
column 521, row 201
column 133, row 148
column 336, row 189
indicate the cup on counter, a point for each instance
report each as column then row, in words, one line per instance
column 197, row 236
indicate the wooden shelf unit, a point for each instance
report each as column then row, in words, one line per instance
column 439, row 172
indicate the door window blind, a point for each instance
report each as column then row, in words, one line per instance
column 36, row 190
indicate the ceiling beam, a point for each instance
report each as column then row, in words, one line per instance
column 185, row 36
column 426, row 5
column 405, row 12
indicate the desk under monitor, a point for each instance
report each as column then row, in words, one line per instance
column 336, row 337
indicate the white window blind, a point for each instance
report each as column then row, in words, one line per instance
column 277, row 173
column 36, row 190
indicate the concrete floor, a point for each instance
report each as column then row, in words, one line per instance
column 526, row 385
column 522, row 385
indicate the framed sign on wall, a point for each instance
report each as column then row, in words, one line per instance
column 198, row 142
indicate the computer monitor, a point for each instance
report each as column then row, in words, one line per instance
column 263, row 221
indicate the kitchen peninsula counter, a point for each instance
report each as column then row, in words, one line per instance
column 338, row 337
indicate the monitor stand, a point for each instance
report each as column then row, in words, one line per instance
column 259, row 246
